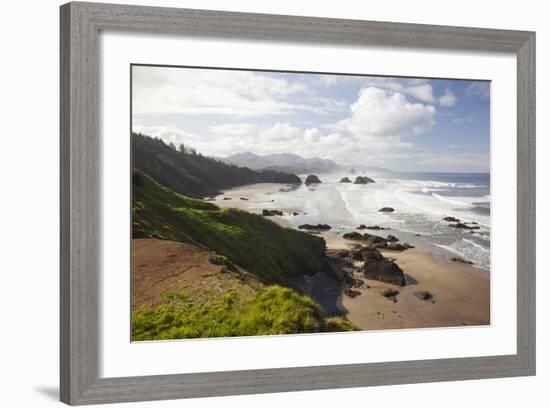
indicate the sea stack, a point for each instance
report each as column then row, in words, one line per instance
column 345, row 180
column 363, row 180
column 312, row 179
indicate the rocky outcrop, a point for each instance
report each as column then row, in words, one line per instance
column 386, row 209
column 461, row 260
column 451, row 219
column 324, row 227
column 461, row 225
column 394, row 246
column 371, row 227
column 382, row 269
column 377, row 242
column 271, row 213
column 345, row 180
column 312, row 179
column 353, row 235
column 363, row 180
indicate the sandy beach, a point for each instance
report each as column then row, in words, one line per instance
column 253, row 198
column 461, row 295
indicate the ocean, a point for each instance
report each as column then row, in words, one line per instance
column 420, row 200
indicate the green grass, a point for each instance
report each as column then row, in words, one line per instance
column 272, row 310
column 271, row 253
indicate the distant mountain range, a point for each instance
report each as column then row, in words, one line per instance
column 285, row 162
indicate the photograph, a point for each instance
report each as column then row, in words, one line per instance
column 278, row 202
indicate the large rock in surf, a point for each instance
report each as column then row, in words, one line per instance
column 382, row 269
column 451, row 219
column 345, row 180
column 461, row 225
column 386, row 209
column 312, row 179
column 363, row 180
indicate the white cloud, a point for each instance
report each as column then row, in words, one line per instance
column 423, row 92
column 170, row 134
column 201, row 91
column 380, row 114
column 281, row 132
column 448, row 99
column 233, row 128
column 418, row 88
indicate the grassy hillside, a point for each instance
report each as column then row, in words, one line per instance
column 272, row 253
column 187, row 172
column 272, row 310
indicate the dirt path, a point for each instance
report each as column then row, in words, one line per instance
column 162, row 267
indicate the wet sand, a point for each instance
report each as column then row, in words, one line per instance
column 246, row 198
column 459, row 298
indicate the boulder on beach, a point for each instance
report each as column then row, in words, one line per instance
column 312, row 179
column 363, row 180
column 370, row 239
column 395, row 246
column 382, row 269
column 386, row 209
column 271, row 213
column 423, row 295
column 392, row 238
column 325, row 227
column 353, row 235
column 390, row 293
column 345, row 180
column 451, row 219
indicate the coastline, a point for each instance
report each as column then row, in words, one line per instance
column 461, row 292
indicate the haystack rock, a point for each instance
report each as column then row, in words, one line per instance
column 312, row 179
column 363, row 180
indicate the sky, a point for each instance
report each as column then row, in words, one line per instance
column 404, row 124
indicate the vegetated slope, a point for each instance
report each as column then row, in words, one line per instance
column 187, row 172
column 270, row 252
column 271, row 310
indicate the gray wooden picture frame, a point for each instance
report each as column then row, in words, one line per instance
column 81, row 24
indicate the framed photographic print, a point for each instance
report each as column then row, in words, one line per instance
column 259, row 203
